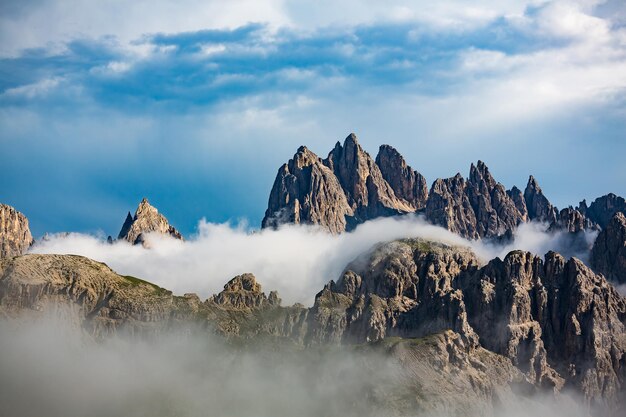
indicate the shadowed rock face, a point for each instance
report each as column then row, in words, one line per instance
column 406, row 183
column 552, row 315
column 539, row 208
column 608, row 255
column 15, row 237
column 602, row 210
column 147, row 219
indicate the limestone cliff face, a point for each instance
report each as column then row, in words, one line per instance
column 15, row 237
column 307, row 192
column 406, row 183
column 475, row 208
column 557, row 322
column 402, row 289
column 555, row 319
column 552, row 315
column 147, row 219
column 608, row 255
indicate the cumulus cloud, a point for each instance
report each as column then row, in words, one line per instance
column 295, row 260
column 543, row 82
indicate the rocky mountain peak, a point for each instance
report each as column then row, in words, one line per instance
column 602, row 209
column 539, row 208
column 15, row 236
column 146, row 219
column 477, row 208
column 306, row 191
column 367, row 192
column 243, row 292
column 406, row 183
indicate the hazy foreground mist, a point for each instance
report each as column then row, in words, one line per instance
column 295, row 260
column 48, row 368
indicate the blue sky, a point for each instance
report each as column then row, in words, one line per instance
column 195, row 104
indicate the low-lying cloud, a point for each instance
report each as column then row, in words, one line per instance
column 295, row 260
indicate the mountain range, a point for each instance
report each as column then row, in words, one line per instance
column 517, row 327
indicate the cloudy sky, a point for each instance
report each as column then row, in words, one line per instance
column 196, row 103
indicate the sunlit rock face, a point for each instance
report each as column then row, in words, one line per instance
column 147, row 219
column 15, row 237
column 307, row 192
column 337, row 193
column 559, row 323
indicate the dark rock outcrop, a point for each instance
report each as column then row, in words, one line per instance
column 552, row 315
column 15, row 237
column 406, row 183
column 517, row 197
column 147, row 219
column 573, row 221
column 307, row 192
column 608, row 255
column 539, row 208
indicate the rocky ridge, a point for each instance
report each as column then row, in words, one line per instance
column 356, row 188
column 15, row 236
column 559, row 323
column 147, row 219
column 553, row 321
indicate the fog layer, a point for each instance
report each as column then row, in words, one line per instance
column 295, row 260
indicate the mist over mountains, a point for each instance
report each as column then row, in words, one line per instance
column 458, row 298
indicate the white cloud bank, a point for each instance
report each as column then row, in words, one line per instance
column 295, row 260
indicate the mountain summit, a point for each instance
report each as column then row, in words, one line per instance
column 147, row 219
column 349, row 187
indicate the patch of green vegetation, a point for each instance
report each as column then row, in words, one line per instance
column 423, row 245
column 134, row 281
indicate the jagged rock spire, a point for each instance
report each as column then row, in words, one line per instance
column 406, row 183
column 539, row 208
column 147, row 219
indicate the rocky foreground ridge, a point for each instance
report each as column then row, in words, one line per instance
column 348, row 187
column 522, row 324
